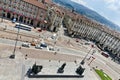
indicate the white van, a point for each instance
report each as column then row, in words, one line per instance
column 26, row 45
column 38, row 46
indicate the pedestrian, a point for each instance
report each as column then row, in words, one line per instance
column 20, row 37
column 55, row 53
column 59, row 61
column 75, row 61
column 20, row 47
column 58, row 49
column 26, row 56
column 49, row 60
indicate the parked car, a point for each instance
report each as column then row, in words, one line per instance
column 33, row 43
column 43, row 45
column 105, row 54
column 39, row 30
column 77, row 40
column 38, row 46
column 26, row 45
column 14, row 20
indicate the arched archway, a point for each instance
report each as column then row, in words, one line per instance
column 3, row 14
column 8, row 15
column 31, row 22
column 24, row 20
column 16, row 18
column 27, row 22
column 12, row 17
column 54, row 29
column 38, row 24
column 21, row 19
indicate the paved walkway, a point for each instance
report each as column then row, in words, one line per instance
column 19, row 66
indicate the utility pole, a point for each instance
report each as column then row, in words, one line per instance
column 83, row 61
column 13, row 55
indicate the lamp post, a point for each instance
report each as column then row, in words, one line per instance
column 13, row 55
column 83, row 61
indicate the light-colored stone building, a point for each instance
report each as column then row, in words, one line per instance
column 55, row 18
column 105, row 38
column 31, row 12
column 37, row 13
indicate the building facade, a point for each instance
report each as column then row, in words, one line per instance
column 37, row 13
column 31, row 12
column 81, row 27
column 55, row 17
column 45, row 14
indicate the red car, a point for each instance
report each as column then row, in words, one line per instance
column 105, row 54
column 40, row 30
column 77, row 40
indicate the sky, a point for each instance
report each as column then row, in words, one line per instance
column 109, row 9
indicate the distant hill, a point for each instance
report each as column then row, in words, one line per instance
column 88, row 13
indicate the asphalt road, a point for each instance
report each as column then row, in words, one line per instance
column 10, row 42
column 2, row 25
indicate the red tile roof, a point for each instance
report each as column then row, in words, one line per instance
column 48, row 1
column 36, row 3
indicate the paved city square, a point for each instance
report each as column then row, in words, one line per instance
column 41, row 40
column 70, row 52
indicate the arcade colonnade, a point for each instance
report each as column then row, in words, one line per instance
column 105, row 39
column 21, row 18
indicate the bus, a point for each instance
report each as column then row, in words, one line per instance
column 23, row 27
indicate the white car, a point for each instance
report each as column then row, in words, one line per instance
column 26, row 45
column 38, row 47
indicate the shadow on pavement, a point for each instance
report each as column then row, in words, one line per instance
column 55, row 76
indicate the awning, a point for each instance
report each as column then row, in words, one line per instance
column 20, row 14
column 14, row 12
column 1, row 8
column 7, row 10
column 26, row 16
column 45, row 21
column 36, row 19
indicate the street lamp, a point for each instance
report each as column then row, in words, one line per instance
column 13, row 55
column 83, row 61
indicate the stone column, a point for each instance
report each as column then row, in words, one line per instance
column 98, row 35
column 106, row 42
column 11, row 15
column 94, row 33
column 104, row 37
